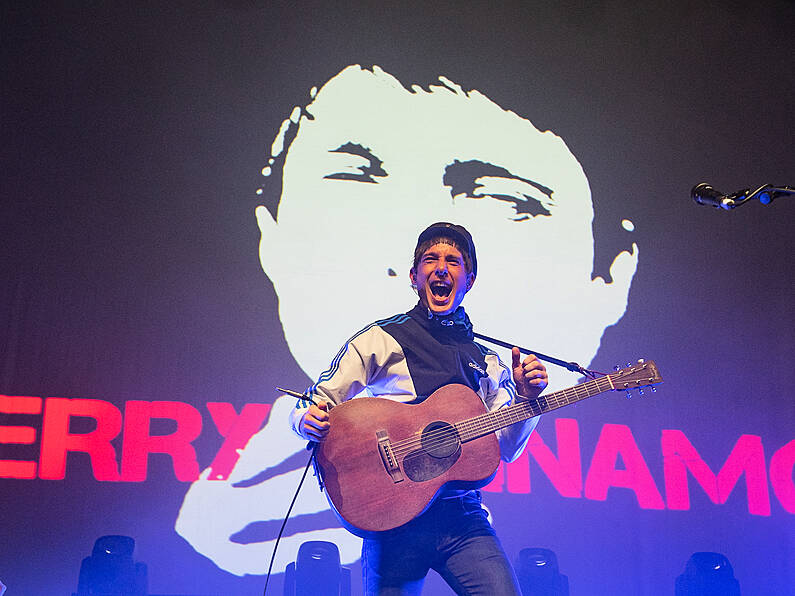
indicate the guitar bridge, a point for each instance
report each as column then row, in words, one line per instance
column 388, row 456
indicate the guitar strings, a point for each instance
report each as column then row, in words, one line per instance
column 510, row 415
column 557, row 399
column 463, row 427
column 437, row 438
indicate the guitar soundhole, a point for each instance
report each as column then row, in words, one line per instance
column 440, row 439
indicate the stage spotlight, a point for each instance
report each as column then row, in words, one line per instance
column 707, row 574
column 537, row 570
column 317, row 572
column 111, row 571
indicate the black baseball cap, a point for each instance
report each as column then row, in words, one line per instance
column 459, row 234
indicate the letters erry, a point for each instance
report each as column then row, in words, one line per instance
column 617, row 461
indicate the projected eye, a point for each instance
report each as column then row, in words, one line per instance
column 478, row 179
column 352, row 161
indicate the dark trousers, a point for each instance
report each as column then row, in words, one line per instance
column 454, row 538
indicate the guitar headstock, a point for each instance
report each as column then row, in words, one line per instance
column 636, row 376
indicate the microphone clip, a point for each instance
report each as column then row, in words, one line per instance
column 704, row 194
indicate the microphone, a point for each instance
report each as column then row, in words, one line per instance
column 704, row 194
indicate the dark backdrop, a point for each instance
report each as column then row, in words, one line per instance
column 133, row 139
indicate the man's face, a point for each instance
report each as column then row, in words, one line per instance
column 373, row 163
column 441, row 278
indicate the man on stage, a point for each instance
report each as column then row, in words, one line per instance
column 348, row 174
column 406, row 358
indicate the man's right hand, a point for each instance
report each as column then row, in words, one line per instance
column 315, row 423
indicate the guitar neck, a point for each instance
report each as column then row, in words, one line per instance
column 489, row 422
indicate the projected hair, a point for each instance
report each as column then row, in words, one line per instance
column 269, row 193
column 423, row 76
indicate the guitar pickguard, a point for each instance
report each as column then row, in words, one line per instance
column 420, row 466
column 441, row 448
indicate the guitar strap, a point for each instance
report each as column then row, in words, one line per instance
column 572, row 366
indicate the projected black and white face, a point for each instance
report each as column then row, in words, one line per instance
column 371, row 165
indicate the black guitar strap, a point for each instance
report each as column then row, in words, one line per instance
column 572, row 366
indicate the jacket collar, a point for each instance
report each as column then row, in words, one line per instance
column 456, row 323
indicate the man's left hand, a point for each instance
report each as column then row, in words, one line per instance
column 529, row 375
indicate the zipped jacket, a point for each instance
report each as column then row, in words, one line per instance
column 409, row 356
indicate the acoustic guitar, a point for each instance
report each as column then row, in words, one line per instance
column 384, row 462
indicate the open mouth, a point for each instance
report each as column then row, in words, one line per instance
column 440, row 289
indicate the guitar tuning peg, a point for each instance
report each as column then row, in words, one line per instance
column 641, row 361
column 629, row 364
column 616, row 368
column 640, row 391
column 628, row 395
column 653, row 389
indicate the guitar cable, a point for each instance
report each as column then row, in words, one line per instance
column 310, row 446
column 286, row 517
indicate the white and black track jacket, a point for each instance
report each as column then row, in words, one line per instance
column 409, row 356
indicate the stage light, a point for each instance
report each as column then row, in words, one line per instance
column 538, row 573
column 111, row 571
column 317, row 572
column 707, row 574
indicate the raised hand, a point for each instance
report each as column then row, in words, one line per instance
column 529, row 375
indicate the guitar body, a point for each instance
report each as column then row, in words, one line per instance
column 384, row 462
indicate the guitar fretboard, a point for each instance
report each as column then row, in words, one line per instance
column 489, row 422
